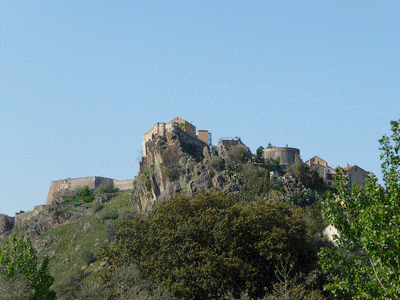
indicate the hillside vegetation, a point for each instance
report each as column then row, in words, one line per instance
column 222, row 229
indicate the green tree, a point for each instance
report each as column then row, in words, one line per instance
column 204, row 246
column 366, row 263
column 260, row 151
column 18, row 259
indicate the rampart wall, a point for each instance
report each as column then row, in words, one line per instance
column 67, row 186
column 158, row 129
column 287, row 155
column 184, row 137
column 30, row 214
column 123, row 185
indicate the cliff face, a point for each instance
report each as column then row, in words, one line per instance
column 176, row 162
column 6, row 223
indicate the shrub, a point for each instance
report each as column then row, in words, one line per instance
column 85, row 195
column 238, row 154
column 88, row 257
column 97, row 206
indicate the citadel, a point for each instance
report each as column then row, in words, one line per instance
column 186, row 133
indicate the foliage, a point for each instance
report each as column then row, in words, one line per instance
column 289, row 286
column 85, row 195
column 16, row 287
column 97, row 206
column 88, row 257
column 366, row 263
column 238, row 154
column 302, row 173
column 207, row 245
column 260, row 151
column 109, row 213
column 295, row 192
column 19, row 260
column 69, row 286
column 256, row 181
column 122, row 283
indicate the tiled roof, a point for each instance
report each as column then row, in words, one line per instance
column 348, row 168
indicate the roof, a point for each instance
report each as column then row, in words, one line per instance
column 351, row 167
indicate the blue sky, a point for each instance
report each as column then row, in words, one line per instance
column 81, row 81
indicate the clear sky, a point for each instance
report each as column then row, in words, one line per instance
column 81, row 81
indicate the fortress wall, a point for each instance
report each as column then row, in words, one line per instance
column 69, row 185
column 23, row 217
column 158, row 129
column 188, row 139
column 230, row 143
column 287, row 155
column 99, row 180
column 123, row 185
column 30, row 214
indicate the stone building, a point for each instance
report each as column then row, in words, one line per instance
column 324, row 171
column 161, row 129
column 356, row 175
column 286, row 155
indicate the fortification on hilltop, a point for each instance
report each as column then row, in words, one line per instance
column 161, row 129
column 286, row 155
column 70, row 185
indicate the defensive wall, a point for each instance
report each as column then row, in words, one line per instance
column 70, row 185
column 161, row 129
column 286, row 155
column 31, row 214
column 158, row 129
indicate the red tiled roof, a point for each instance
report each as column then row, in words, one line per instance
column 348, row 168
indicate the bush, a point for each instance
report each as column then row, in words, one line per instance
column 238, row 154
column 85, row 195
column 88, row 257
column 122, row 283
column 97, row 206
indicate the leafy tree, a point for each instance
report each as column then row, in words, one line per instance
column 256, row 181
column 260, row 151
column 366, row 264
column 204, row 246
column 19, row 260
column 303, row 174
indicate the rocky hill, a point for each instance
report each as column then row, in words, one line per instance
column 175, row 165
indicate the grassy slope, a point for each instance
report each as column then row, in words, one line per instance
column 66, row 244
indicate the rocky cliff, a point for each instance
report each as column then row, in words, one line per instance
column 176, row 162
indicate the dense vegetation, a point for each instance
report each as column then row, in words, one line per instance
column 204, row 246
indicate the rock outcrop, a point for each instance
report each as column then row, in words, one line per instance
column 178, row 163
column 6, row 223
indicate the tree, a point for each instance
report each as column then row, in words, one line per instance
column 204, row 246
column 19, row 260
column 366, row 263
column 260, row 151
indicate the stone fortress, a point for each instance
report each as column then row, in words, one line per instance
column 186, row 133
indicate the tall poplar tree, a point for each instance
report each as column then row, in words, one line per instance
column 366, row 262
